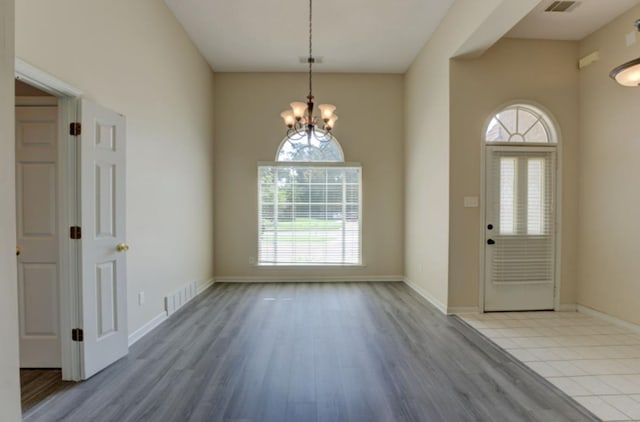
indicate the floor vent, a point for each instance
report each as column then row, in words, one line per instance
column 561, row 6
column 177, row 299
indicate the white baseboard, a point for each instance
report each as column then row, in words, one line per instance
column 160, row 318
column 309, row 279
column 610, row 319
column 568, row 307
column 435, row 302
column 146, row 328
column 201, row 288
column 455, row 310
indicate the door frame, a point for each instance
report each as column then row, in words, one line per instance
column 68, row 210
column 557, row 135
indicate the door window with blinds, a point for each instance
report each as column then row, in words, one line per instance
column 309, row 206
column 520, row 210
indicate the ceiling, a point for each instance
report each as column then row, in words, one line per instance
column 582, row 19
column 369, row 36
column 375, row 36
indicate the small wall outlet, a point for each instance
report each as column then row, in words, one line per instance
column 140, row 298
column 252, row 260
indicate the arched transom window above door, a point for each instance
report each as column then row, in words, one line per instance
column 521, row 124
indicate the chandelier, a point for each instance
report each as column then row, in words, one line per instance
column 300, row 120
column 628, row 74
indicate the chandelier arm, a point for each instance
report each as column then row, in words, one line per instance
column 322, row 135
column 296, row 134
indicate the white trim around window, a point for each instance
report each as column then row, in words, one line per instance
column 309, row 214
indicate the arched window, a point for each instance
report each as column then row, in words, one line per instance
column 309, row 209
column 310, row 150
column 521, row 123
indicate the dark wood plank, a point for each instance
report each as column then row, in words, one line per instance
column 312, row 352
column 38, row 385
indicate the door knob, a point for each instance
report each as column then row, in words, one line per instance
column 18, row 250
column 122, row 247
column 491, row 242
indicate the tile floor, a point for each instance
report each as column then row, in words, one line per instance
column 593, row 361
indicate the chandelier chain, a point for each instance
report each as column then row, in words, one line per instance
column 310, row 46
column 300, row 120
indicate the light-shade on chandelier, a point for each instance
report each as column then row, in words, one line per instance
column 300, row 120
column 628, row 74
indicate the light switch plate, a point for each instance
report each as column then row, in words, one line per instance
column 471, row 201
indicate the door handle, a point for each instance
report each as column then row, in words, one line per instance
column 18, row 250
column 122, row 247
column 491, row 242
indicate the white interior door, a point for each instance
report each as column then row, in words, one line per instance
column 520, row 229
column 37, row 235
column 103, row 248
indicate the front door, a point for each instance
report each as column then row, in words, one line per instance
column 103, row 248
column 520, row 228
column 38, row 236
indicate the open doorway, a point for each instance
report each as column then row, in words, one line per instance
column 37, row 227
column 38, row 234
column 70, row 184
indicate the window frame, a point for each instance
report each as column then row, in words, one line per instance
column 310, row 164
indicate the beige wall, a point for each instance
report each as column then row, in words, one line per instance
column 542, row 72
column 469, row 27
column 249, row 129
column 134, row 58
column 609, row 195
column 9, row 381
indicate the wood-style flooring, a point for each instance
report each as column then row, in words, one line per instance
column 37, row 385
column 312, row 352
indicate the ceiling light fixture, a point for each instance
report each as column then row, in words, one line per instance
column 628, row 74
column 300, row 120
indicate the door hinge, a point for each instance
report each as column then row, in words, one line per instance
column 75, row 128
column 77, row 334
column 75, row 232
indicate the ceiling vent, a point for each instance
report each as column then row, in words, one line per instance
column 561, row 6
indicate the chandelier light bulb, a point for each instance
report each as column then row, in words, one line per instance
column 288, row 117
column 332, row 122
column 326, row 110
column 298, row 109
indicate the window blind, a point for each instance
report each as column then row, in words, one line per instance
column 524, row 250
column 309, row 215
